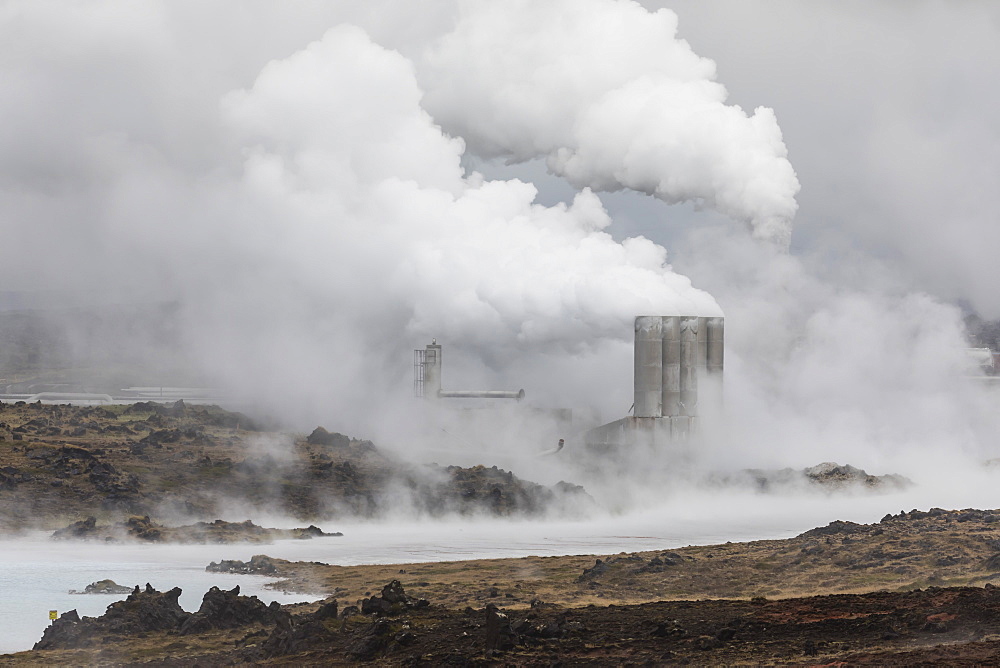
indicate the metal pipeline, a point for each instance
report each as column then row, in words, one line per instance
column 480, row 394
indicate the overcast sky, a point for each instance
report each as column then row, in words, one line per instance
column 301, row 177
column 890, row 113
column 888, row 109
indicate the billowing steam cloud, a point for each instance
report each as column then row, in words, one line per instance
column 296, row 178
column 315, row 220
column 337, row 133
column 613, row 99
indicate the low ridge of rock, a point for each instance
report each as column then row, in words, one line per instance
column 103, row 587
column 222, row 609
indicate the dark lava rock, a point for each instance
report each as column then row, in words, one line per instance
column 558, row 628
column 176, row 409
column 836, row 527
column 82, row 529
column 142, row 611
column 500, row 636
column 291, row 636
column 669, row 629
column 222, row 609
column 369, row 642
column 160, row 436
column 312, row 531
column 662, row 562
column 142, row 528
column 321, row 436
column 392, row 601
column 65, row 632
column 599, row 568
column 146, row 610
column 103, row 587
column 259, row 564
column 832, row 474
column 829, row 475
column 326, row 611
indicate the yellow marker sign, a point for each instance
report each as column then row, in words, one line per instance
column 53, row 614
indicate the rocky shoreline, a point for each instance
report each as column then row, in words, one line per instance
column 142, row 529
column 60, row 464
column 918, row 586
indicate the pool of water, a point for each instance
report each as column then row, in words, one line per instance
column 36, row 572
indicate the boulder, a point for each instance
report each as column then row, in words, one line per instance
column 500, row 636
column 599, row 568
column 145, row 610
column 836, row 527
column 291, row 637
column 312, row 531
column 321, row 436
column 222, row 609
column 393, row 600
column 326, row 611
column 143, row 528
column 103, row 587
column 369, row 642
column 259, row 564
column 64, row 633
column 81, row 529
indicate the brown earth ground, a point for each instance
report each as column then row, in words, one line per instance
column 914, row 589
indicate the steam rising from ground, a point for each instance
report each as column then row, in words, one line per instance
column 297, row 181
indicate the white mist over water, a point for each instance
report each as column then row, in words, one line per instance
column 35, row 572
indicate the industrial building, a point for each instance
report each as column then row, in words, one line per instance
column 678, row 366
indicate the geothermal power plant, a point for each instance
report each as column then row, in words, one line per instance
column 678, row 365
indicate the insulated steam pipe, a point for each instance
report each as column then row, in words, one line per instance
column 481, row 394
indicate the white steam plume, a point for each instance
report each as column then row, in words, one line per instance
column 293, row 176
column 316, row 222
column 613, row 99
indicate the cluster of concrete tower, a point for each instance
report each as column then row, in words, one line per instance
column 671, row 352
